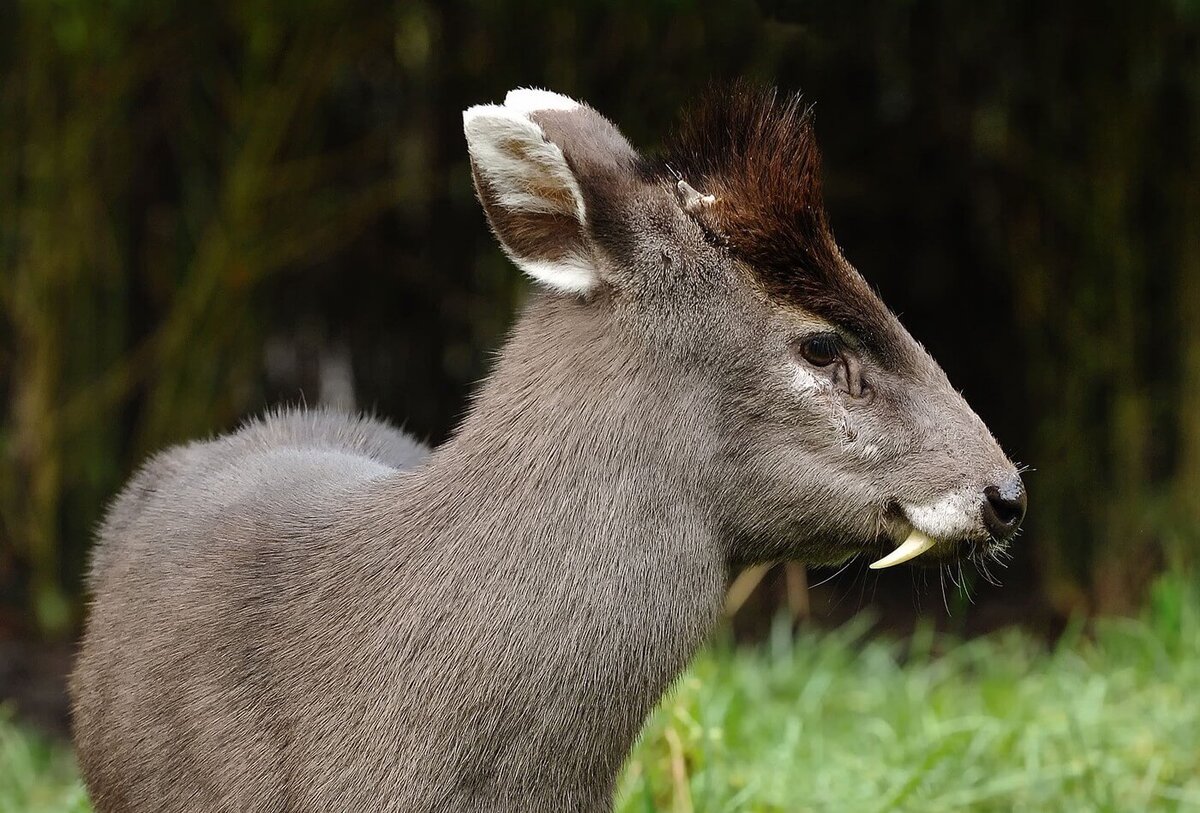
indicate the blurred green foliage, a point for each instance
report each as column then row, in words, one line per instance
column 37, row 775
column 826, row 721
column 207, row 208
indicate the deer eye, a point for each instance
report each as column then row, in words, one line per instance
column 820, row 350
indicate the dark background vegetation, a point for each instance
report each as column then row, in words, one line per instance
column 208, row 208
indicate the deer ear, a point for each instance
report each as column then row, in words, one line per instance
column 533, row 198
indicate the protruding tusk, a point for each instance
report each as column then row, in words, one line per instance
column 916, row 544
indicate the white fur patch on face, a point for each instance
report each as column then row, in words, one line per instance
column 804, row 380
column 529, row 174
column 530, row 100
column 953, row 517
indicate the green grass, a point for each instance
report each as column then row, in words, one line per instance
column 1108, row 721
column 35, row 776
column 833, row 721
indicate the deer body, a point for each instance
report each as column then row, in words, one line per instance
column 317, row 613
column 486, row 631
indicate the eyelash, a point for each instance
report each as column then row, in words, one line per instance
column 820, row 349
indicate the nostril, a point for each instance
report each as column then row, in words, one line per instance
column 1004, row 509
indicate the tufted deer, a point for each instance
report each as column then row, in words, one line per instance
column 315, row 613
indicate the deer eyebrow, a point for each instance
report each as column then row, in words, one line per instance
column 850, row 340
column 866, row 341
column 851, row 328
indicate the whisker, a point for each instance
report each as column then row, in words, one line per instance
column 966, row 585
column 942, row 579
column 836, row 573
column 981, row 564
column 862, row 590
column 953, row 579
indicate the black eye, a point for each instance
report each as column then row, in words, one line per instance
column 821, row 350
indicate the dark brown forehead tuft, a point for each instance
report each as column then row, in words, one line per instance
column 756, row 152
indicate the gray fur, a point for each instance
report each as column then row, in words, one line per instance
column 314, row 613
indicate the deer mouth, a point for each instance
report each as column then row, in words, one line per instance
column 912, row 542
column 947, row 529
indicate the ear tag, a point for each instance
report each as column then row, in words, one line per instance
column 692, row 200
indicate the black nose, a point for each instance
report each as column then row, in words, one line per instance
column 1004, row 508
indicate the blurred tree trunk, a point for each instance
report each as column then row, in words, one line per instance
column 1100, row 285
column 74, row 95
column 187, row 188
column 64, row 302
column 1184, row 225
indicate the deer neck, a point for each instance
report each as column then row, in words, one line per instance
column 574, row 487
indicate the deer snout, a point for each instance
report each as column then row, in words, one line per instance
column 1004, row 507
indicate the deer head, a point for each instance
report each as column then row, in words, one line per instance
column 833, row 432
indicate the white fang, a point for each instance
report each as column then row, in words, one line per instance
column 916, row 544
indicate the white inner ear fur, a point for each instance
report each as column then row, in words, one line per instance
column 529, row 174
column 530, row 100
column 571, row 275
column 514, row 156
